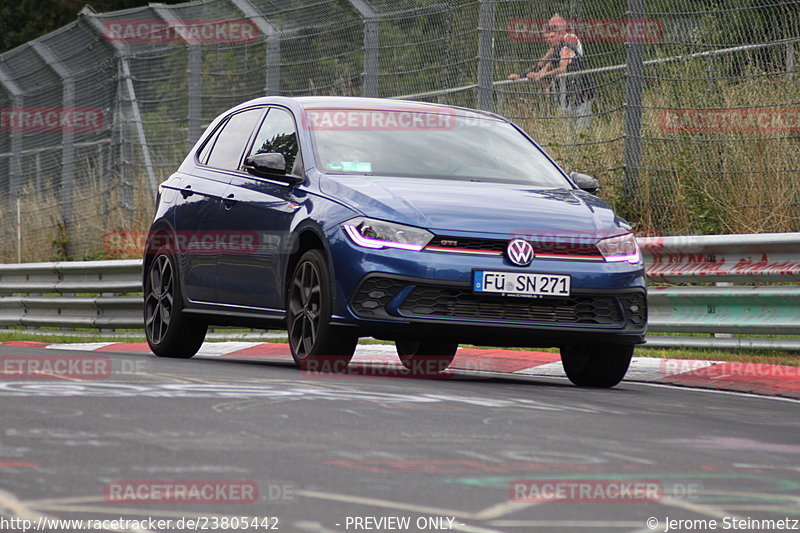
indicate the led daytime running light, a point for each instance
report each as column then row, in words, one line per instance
column 609, row 248
column 376, row 244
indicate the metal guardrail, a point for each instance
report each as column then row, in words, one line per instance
column 49, row 294
column 760, row 257
column 53, row 294
column 724, row 308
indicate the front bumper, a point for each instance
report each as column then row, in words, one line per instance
column 402, row 294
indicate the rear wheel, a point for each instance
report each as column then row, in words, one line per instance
column 315, row 344
column 426, row 357
column 598, row 365
column 169, row 332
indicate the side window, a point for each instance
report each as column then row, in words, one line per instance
column 278, row 134
column 206, row 149
column 232, row 139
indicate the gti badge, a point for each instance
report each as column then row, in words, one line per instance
column 519, row 252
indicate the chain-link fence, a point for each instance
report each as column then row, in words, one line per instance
column 687, row 112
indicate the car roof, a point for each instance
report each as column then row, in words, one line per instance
column 356, row 102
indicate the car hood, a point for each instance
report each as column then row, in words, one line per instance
column 474, row 207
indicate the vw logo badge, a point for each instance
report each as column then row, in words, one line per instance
column 519, row 252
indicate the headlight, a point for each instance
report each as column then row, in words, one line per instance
column 378, row 234
column 621, row 248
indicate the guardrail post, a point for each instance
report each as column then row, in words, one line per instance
column 634, row 72
column 486, row 13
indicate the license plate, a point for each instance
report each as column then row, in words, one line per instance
column 520, row 283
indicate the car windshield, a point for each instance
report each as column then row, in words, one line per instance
column 440, row 145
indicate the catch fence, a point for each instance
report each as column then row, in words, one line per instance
column 693, row 124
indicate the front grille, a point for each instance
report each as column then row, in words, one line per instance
column 438, row 302
column 544, row 246
column 464, row 243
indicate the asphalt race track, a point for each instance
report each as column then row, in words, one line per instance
column 144, row 438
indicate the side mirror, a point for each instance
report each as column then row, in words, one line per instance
column 585, row 182
column 269, row 165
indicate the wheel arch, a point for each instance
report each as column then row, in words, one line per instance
column 160, row 234
column 307, row 236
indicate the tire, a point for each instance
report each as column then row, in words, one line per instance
column 426, row 357
column 315, row 344
column 169, row 332
column 599, row 365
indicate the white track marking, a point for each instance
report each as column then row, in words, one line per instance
column 79, row 346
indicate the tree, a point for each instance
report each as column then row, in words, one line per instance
column 24, row 20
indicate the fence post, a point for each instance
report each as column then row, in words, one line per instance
column 790, row 60
column 371, row 46
column 272, row 59
column 371, row 50
column 194, row 70
column 67, row 134
column 121, row 139
column 486, row 13
column 195, row 93
column 272, row 62
column 15, row 160
column 634, row 71
column 126, row 83
column 136, row 117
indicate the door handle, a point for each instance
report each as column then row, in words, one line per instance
column 186, row 192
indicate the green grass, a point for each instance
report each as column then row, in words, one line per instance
column 57, row 338
column 774, row 357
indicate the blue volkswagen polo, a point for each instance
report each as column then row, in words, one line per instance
column 427, row 225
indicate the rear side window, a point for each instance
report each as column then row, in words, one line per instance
column 206, row 149
column 277, row 135
column 227, row 145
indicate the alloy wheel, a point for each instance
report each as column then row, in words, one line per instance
column 304, row 308
column 160, row 299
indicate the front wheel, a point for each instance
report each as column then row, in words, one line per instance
column 599, row 365
column 169, row 332
column 315, row 344
column 426, row 357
